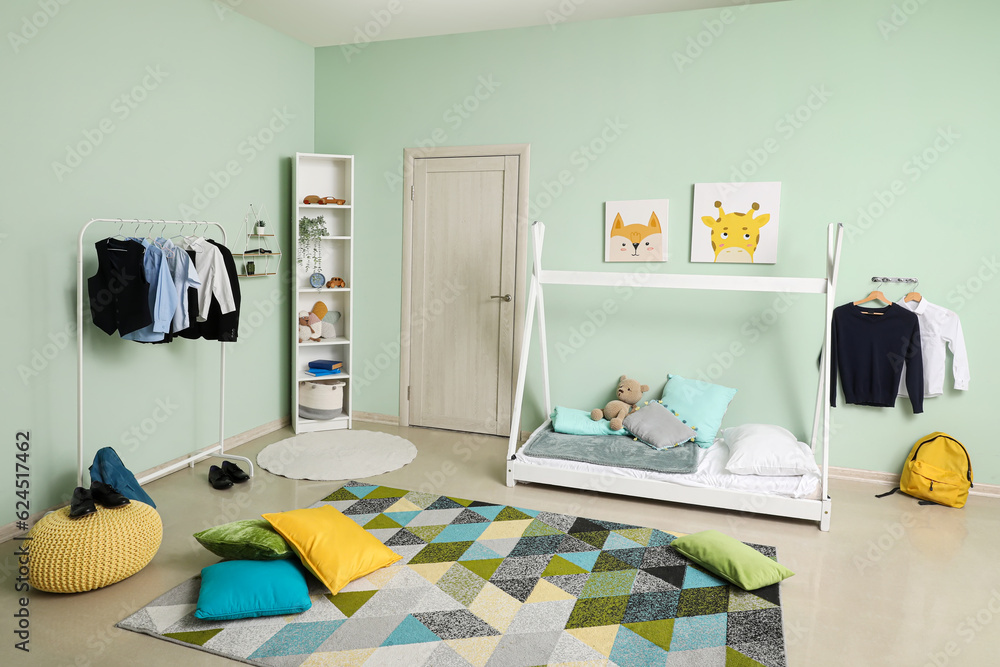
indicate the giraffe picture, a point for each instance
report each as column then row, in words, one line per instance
column 735, row 223
column 636, row 231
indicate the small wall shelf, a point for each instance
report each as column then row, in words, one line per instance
column 251, row 220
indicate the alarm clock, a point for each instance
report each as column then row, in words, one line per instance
column 317, row 280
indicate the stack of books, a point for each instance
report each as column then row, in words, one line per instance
column 323, row 367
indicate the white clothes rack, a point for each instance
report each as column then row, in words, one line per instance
column 191, row 459
column 800, row 508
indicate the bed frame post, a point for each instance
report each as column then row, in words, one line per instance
column 537, row 252
column 534, row 296
column 835, row 238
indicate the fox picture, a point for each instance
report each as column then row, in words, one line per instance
column 636, row 242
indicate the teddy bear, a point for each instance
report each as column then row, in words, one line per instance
column 319, row 324
column 335, row 282
column 310, row 328
column 629, row 394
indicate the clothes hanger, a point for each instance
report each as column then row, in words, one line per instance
column 160, row 241
column 913, row 295
column 121, row 232
column 180, row 232
column 872, row 296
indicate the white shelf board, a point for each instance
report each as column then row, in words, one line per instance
column 685, row 281
column 309, row 425
column 305, row 377
column 340, row 340
column 327, row 156
column 327, row 206
column 324, row 289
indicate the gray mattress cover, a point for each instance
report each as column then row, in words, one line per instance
column 612, row 450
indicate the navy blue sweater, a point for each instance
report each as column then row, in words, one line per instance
column 869, row 349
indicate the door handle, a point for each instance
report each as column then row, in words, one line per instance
column 505, row 297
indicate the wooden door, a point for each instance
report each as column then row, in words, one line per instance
column 462, row 303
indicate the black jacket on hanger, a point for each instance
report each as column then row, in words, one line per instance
column 218, row 326
column 119, row 293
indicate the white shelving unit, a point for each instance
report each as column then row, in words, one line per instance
column 325, row 176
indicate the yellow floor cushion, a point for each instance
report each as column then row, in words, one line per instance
column 76, row 555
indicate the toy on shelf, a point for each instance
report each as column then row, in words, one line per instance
column 316, row 199
column 629, row 394
column 336, row 282
column 319, row 324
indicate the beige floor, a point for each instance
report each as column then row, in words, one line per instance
column 892, row 583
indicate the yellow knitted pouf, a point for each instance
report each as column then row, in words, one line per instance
column 76, row 555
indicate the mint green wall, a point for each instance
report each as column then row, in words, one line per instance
column 220, row 78
column 880, row 97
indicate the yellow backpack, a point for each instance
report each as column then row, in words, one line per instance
column 938, row 470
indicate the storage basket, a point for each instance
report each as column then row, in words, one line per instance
column 321, row 401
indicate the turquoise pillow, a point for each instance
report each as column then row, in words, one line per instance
column 578, row 422
column 251, row 588
column 703, row 405
column 737, row 563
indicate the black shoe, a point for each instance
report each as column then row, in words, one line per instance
column 107, row 495
column 82, row 503
column 218, row 478
column 234, row 471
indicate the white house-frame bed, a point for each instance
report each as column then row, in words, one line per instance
column 608, row 481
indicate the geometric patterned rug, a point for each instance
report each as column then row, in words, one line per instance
column 497, row 586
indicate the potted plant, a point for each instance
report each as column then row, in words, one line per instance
column 311, row 230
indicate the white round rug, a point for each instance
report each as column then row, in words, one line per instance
column 336, row 455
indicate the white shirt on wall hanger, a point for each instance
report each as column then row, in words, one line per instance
column 939, row 327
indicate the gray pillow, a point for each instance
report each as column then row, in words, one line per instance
column 658, row 427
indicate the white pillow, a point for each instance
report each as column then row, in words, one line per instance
column 763, row 449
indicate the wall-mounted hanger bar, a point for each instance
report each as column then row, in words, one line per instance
column 877, row 279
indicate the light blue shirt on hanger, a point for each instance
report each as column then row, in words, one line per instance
column 162, row 295
column 184, row 275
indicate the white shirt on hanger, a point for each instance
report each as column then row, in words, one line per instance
column 211, row 269
column 938, row 327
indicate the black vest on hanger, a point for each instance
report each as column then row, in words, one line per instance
column 119, row 293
